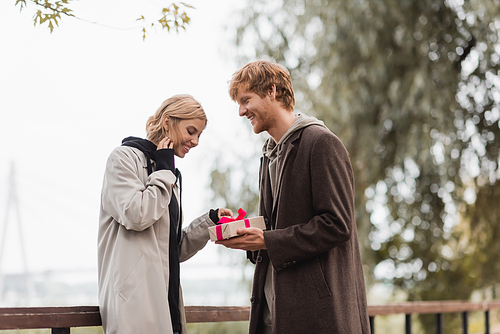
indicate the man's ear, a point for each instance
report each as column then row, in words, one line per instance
column 272, row 92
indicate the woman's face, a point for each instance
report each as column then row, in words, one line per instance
column 189, row 131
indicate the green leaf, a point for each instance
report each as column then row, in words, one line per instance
column 22, row 4
column 37, row 17
column 187, row 5
column 185, row 18
column 51, row 11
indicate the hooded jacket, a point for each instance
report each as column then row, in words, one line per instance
column 134, row 241
column 273, row 151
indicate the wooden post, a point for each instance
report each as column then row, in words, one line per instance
column 487, row 322
column 465, row 323
column 439, row 323
column 407, row 323
column 61, row 330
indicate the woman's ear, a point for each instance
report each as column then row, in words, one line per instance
column 165, row 123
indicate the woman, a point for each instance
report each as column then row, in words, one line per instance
column 140, row 238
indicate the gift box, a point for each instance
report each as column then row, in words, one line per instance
column 228, row 227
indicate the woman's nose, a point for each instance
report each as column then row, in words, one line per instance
column 195, row 141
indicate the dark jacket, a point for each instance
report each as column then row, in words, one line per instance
column 313, row 247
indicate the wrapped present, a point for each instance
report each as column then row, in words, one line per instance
column 228, row 227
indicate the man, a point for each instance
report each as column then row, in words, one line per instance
column 308, row 275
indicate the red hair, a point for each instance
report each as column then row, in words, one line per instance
column 258, row 77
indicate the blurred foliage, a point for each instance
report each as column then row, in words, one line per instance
column 173, row 16
column 412, row 88
column 237, row 327
column 234, row 176
column 234, row 183
column 244, row 196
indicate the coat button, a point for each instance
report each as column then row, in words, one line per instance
column 252, row 300
column 285, row 265
column 259, row 258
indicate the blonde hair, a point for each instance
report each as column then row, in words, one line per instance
column 258, row 77
column 174, row 109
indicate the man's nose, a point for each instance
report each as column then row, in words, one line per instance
column 242, row 111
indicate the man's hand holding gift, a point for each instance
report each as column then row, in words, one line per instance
column 251, row 238
column 239, row 233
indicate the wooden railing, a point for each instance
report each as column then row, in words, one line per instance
column 435, row 307
column 61, row 319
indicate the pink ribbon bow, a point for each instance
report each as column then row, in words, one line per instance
column 224, row 220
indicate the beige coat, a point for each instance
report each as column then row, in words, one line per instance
column 133, row 245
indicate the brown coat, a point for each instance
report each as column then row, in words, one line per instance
column 318, row 278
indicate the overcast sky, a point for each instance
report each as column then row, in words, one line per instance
column 68, row 98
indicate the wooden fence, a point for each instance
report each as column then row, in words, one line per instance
column 61, row 319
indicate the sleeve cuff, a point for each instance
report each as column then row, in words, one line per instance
column 165, row 159
column 214, row 215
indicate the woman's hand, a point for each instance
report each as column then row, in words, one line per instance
column 165, row 143
column 225, row 213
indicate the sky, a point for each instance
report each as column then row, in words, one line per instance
column 67, row 99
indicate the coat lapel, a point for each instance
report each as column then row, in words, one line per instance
column 289, row 145
column 265, row 188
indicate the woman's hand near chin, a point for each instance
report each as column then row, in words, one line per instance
column 165, row 143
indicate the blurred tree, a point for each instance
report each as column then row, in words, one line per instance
column 173, row 16
column 412, row 88
column 234, row 183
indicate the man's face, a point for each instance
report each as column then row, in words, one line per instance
column 257, row 110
